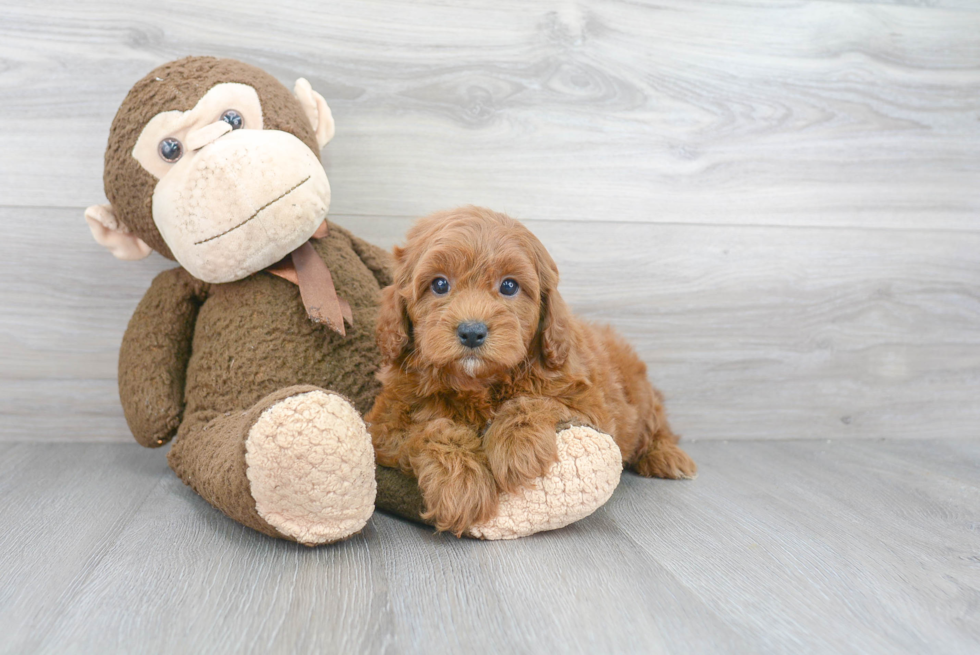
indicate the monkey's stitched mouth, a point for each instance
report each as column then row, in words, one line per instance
column 257, row 211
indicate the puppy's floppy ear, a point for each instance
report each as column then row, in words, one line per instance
column 555, row 315
column 555, row 318
column 393, row 325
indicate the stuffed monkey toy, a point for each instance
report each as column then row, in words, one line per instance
column 258, row 353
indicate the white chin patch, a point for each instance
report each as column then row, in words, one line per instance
column 241, row 203
column 471, row 365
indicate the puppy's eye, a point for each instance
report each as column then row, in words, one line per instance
column 170, row 150
column 509, row 287
column 440, row 286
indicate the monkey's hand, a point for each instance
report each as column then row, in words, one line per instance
column 154, row 354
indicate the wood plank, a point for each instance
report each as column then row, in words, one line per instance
column 805, row 547
column 63, row 506
column 838, row 546
column 818, row 113
column 752, row 332
column 78, row 409
column 189, row 577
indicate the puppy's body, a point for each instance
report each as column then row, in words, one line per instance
column 478, row 377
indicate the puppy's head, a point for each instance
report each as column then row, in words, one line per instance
column 475, row 295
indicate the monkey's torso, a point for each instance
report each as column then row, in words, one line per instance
column 199, row 350
column 253, row 337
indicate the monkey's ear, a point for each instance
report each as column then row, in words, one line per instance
column 317, row 111
column 109, row 232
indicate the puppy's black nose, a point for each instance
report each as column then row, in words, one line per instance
column 472, row 334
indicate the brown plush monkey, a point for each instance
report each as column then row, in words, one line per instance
column 258, row 352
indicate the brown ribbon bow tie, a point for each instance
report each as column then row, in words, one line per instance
column 304, row 268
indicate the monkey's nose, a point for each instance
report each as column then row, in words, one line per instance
column 207, row 134
column 472, row 334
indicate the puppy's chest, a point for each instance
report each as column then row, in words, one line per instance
column 476, row 409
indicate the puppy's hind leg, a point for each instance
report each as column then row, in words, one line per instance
column 660, row 456
column 649, row 445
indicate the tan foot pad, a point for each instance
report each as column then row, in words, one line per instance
column 311, row 468
column 587, row 472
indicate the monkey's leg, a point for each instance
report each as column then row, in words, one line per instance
column 298, row 465
column 584, row 478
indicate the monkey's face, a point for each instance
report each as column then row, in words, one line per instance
column 232, row 198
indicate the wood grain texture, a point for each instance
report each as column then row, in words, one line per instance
column 791, row 113
column 62, row 507
column 752, row 332
column 776, row 201
column 778, row 547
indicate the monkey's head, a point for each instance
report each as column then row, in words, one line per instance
column 214, row 163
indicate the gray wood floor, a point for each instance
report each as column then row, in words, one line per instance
column 778, row 547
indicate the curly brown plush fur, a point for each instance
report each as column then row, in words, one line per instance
column 470, row 422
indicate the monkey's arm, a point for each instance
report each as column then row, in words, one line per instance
column 154, row 354
column 375, row 258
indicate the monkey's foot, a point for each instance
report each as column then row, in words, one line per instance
column 585, row 476
column 310, row 467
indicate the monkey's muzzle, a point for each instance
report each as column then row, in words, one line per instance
column 241, row 203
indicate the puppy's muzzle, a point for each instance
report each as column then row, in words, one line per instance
column 472, row 334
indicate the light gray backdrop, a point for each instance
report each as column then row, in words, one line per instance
column 777, row 202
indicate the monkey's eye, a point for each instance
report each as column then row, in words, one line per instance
column 440, row 286
column 234, row 119
column 509, row 287
column 170, row 150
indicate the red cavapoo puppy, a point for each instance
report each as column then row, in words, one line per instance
column 483, row 362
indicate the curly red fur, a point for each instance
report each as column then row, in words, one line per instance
column 469, row 423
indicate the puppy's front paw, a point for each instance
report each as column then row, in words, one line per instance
column 587, row 472
column 666, row 460
column 458, row 490
column 519, row 456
